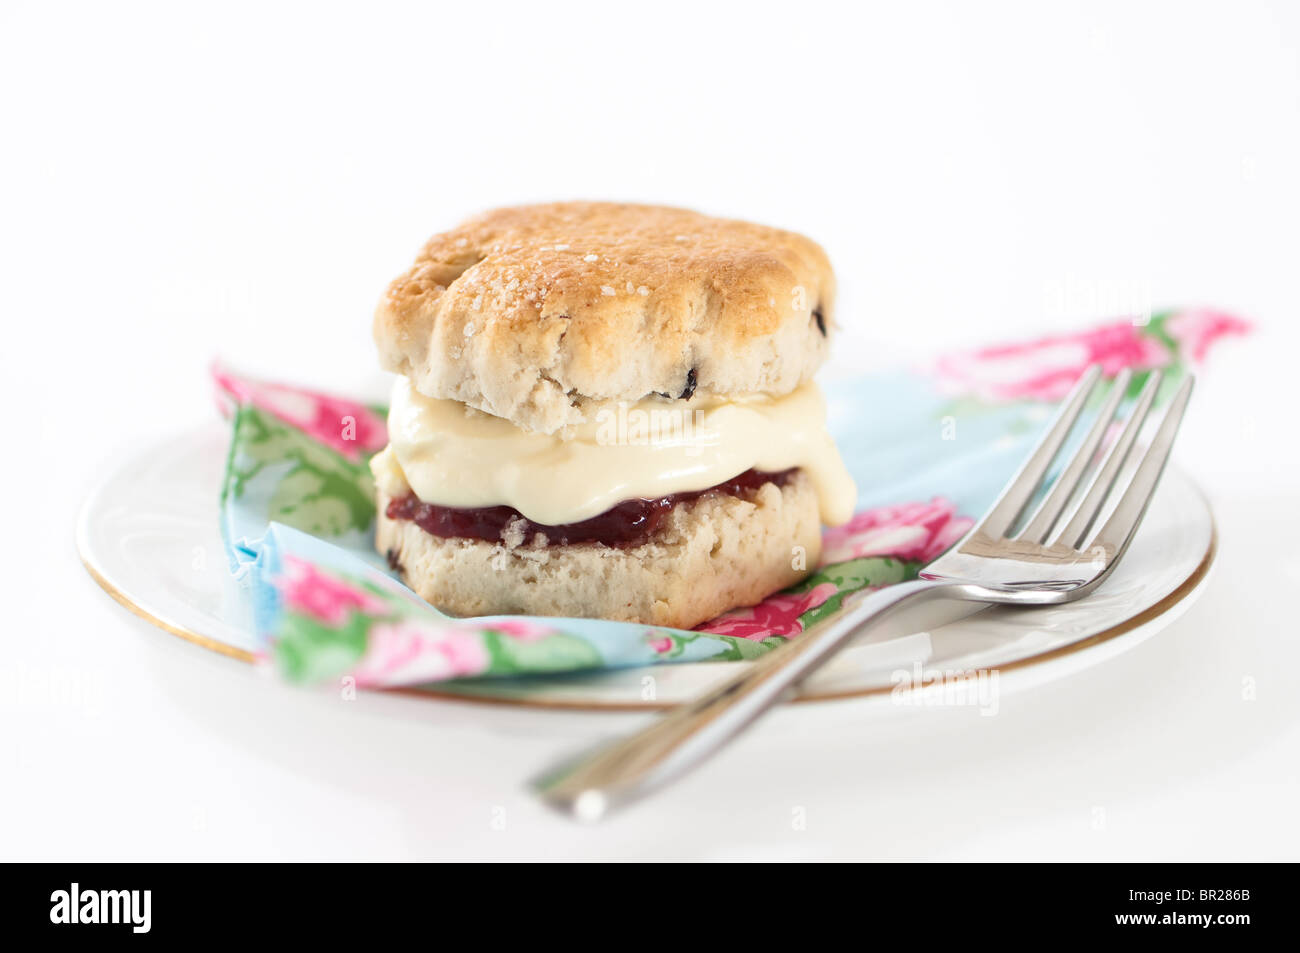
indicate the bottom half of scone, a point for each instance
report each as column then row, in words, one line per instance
column 712, row 552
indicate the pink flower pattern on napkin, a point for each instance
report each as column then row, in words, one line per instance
column 912, row 531
column 349, row 427
column 778, row 615
column 1047, row 368
column 412, row 651
column 662, row 644
column 325, row 598
column 1197, row 329
column 521, row 629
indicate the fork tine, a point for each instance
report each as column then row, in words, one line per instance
column 1090, row 507
column 1022, row 486
column 1123, row 521
column 1049, row 511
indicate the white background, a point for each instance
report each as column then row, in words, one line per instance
column 243, row 180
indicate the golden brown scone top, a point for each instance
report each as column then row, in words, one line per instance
column 542, row 313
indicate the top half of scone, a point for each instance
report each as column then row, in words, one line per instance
column 533, row 313
column 528, row 336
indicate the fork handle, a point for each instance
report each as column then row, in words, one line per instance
column 687, row 735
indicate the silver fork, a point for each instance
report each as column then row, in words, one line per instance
column 998, row 561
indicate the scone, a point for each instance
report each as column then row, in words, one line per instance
column 607, row 411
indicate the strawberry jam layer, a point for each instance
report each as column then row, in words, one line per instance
column 627, row 523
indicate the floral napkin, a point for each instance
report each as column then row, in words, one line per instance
column 929, row 450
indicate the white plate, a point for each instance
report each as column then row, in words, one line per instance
column 149, row 535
